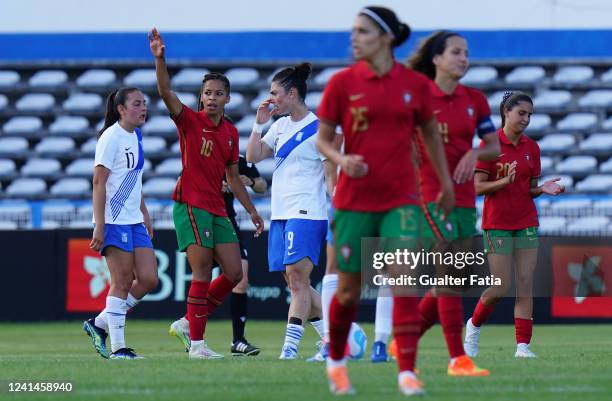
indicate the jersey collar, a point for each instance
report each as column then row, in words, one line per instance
column 504, row 139
column 460, row 90
column 365, row 72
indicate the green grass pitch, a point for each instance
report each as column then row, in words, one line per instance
column 574, row 363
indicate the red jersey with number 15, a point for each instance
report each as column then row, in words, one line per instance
column 379, row 116
column 512, row 207
column 206, row 149
column 460, row 115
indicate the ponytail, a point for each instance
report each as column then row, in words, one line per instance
column 114, row 99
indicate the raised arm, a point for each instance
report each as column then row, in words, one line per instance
column 158, row 49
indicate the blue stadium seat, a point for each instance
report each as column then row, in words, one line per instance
column 480, row 75
column 153, row 145
column 577, row 165
column 8, row 168
column 26, row 187
column 187, row 98
column 555, row 143
column 242, row 76
column 71, row 187
column 573, row 74
column 9, row 79
column 160, row 125
column 89, row 147
column 3, row 102
column 41, row 167
column 48, row 79
column 595, row 183
column 83, row 102
column 323, row 77
column 170, row 167
column 189, row 78
column 495, row 100
column 96, row 78
column 596, row 99
column 55, row 146
column 570, row 207
column 577, row 122
column 600, row 143
column 80, row 168
column 22, row 125
column 552, row 99
column 261, row 96
column 17, row 146
column 35, row 102
column 69, row 125
column 606, row 167
column 159, row 187
column 526, row 75
column 141, row 78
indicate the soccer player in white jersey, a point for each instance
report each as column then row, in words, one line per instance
column 123, row 229
column 299, row 218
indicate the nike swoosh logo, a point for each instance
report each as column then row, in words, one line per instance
column 501, row 155
column 199, row 316
column 207, row 130
column 126, row 149
column 437, row 111
column 291, row 253
column 356, row 97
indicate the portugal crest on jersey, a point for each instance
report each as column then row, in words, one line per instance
column 345, row 250
column 470, row 111
column 407, row 97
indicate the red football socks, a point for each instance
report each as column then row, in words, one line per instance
column 481, row 313
column 406, row 330
column 523, row 329
column 451, row 318
column 428, row 308
column 219, row 289
column 340, row 320
column 197, row 309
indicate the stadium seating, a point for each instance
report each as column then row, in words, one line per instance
column 49, row 118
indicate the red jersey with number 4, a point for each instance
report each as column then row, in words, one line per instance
column 206, row 149
column 460, row 115
column 512, row 207
column 379, row 116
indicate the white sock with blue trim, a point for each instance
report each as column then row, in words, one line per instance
column 293, row 335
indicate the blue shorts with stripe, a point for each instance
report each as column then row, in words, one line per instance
column 126, row 237
column 289, row 241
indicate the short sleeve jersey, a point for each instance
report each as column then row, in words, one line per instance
column 512, row 207
column 246, row 169
column 298, row 181
column 121, row 152
column 460, row 115
column 379, row 116
column 206, row 149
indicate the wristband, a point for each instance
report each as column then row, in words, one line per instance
column 258, row 127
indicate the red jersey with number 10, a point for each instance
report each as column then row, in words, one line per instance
column 512, row 207
column 460, row 115
column 206, row 149
column 379, row 116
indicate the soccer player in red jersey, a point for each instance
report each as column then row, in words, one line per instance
column 460, row 111
column 379, row 103
column 209, row 150
column 510, row 220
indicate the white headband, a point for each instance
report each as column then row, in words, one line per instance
column 379, row 20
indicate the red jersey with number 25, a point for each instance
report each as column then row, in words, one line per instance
column 512, row 207
column 379, row 116
column 206, row 149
